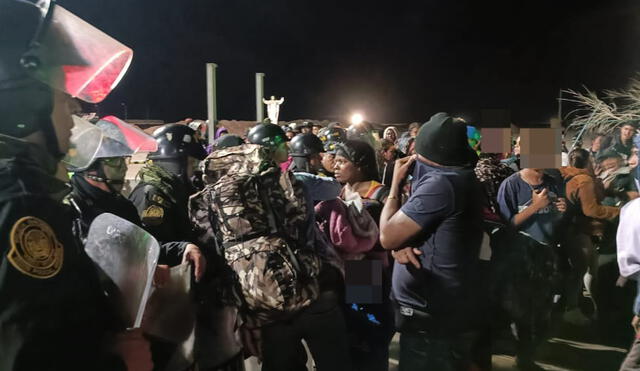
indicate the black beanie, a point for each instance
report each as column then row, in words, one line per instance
column 444, row 141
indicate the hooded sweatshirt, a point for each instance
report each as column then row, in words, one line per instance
column 584, row 198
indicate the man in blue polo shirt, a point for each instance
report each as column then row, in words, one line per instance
column 533, row 203
column 441, row 223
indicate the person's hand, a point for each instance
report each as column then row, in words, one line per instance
column 635, row 323
column 193, row 255
column 134, row 350
column 407, row 255
column 561, row 205
column 539, row 200
column 401, row 169
column 161, row 276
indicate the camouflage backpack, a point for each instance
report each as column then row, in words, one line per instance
column 260, row 214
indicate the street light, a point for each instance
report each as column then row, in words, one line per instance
column 356, row 119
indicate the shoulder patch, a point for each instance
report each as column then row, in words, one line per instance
column 158, row 199
column 153, row 215
column 35, row 250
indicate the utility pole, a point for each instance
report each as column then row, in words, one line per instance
column 259, row 96
column 212, row 107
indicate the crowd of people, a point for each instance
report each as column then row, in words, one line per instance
column 299, row 236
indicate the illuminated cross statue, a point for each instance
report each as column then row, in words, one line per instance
column 273, row 108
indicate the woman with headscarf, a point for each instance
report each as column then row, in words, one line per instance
column 369, row 320
column 390, row 133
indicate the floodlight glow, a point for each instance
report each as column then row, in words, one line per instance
column 356, row 119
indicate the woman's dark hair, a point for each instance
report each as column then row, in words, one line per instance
column 579, row 158
column 605, row 142
column 385, row 144
column 362, row 155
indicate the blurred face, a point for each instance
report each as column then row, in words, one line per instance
column 414, row 132
column 412, row 148
column 610, row 164
column 390, row 154
column 281, row 153
column 516, row 147
column 315, row 130
column 345, row 171
column 626, row 133
column 290, row 134
column 115, row 168
column 305, row 130
column 633, row 159
column 192, row 166
column 595, row 145
column 315, row 162
column 63, row 107
column 391, row 135
column 328, row 161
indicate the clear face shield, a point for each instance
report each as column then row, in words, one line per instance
column 72, row 56
column 89, row 143
column 132, row 136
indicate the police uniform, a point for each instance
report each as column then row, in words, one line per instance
column 53, row 315
column 161, row 200
column 90, row 201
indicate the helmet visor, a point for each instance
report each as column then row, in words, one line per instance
column 89, row 143
column 78, row 59
column 135, row 138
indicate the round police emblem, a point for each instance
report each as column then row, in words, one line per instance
column 35, row 251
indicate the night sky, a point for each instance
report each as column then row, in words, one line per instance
column 394, row 61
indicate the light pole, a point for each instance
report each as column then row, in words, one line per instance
column 260, row 96
column 212, row 107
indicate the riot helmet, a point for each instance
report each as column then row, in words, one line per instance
column 227, row 141
column 99, row 151
column 272, row 136
column 176, row 145
column 44, row 48
column 305, row 127
column 305, row 145
column 305, row 150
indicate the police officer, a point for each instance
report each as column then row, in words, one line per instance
column 330, row 136
column 306, row 149
column 272, row 137
column 305, row 127
column 53, row 314
column 162, row 194
column 99, row 168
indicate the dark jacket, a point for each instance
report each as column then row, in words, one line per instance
column 53, row 314
column 162, row 203
column 90, row 201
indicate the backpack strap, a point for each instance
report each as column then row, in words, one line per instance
column 377, row 191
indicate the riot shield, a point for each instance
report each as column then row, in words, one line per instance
column 128, row 256
column 170, row 311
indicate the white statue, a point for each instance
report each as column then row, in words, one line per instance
column 273, row 108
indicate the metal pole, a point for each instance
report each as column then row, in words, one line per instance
column 212, row 107
column 560, row 105
column 259, row 96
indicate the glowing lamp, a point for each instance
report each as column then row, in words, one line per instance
column 356, row 119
